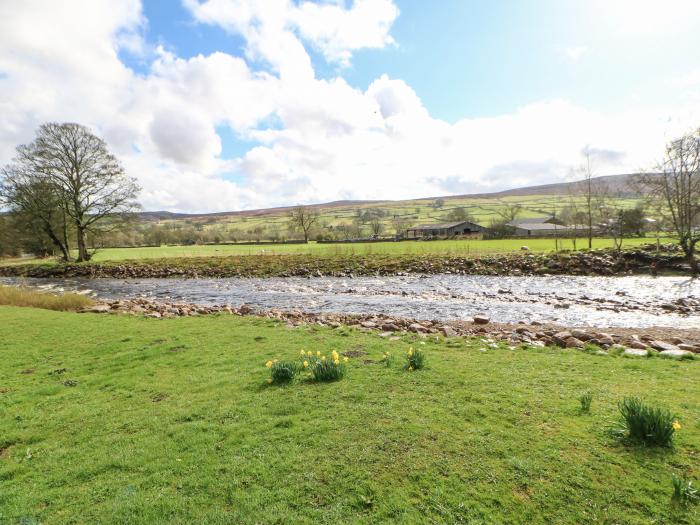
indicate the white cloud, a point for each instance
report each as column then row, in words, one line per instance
column 319, row 139
column 332, row 28
column 574, row 53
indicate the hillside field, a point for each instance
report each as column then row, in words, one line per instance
column 483, row 210
column 109, row 419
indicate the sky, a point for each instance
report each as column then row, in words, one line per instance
column 221, row 105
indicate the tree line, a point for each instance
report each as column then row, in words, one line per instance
column 66, row 193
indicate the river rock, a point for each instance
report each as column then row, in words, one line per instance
column 635, row 352
column 636, row 344
column 662, row 346
column 481, row 319
column 97, row 309
column 245, row 309
column 605, row 339
column 581, row 334
column 677, row 353
column 448, row 331
column 572, row 342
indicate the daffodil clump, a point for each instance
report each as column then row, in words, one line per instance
column 415, row 359
column 281, row 371
column 640, row 422
column 322, row 368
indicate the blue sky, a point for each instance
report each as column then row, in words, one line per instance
column 472, row 58
column 228, row 104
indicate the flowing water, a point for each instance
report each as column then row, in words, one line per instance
column 638, row 301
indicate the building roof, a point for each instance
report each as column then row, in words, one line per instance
column 532, row 220
column 541, row 226
column 442, row 226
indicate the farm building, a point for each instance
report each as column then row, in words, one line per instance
column 543, row 227
column 450, row 229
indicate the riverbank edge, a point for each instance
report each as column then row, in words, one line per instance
column 605, row 262
column 626, row 342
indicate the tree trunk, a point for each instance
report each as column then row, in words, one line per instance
column 65, row 254
column 83, row 254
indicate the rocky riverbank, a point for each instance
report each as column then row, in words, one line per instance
column 642, row 260
column 638, row 343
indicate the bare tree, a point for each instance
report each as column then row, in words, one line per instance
column 509, row 212
column 400, row 224
column 89, row 180
column 376, row 226
column 677, row 190
column 304, row 218
column 592, row 191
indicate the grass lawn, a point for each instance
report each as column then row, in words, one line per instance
column 456, row 247
column 108, row 419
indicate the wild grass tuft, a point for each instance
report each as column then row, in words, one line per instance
column 387, row 359
column 642, row 423
column 415, row 359
column 683, row 491
column 585, row 399
column 21, row 296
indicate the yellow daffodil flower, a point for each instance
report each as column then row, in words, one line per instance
column 676, row 425
column 268, row 364
column 306, row 364
column 323, row 358
column 318, row 354
column 269, row 381
column 345, row 359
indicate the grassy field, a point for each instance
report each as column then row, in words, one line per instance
column 110, row 419
column 456, row 247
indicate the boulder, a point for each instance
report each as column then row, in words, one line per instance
column 638, row 345
column 481, row 319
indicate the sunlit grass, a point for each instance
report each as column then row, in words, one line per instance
column 111, row 419
column 445, row 247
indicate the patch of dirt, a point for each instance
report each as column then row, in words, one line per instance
column 28, row 371
column 160, row 396
column 369, row 362
column 354, row 353
column 522, row 493
column 58, row 371
column 70, row 382
column 178, row 348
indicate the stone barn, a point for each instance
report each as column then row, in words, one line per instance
column 449, row 229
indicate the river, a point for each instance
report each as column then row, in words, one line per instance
column 635, row 301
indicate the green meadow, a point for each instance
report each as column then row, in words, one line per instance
column 109, row 419
column 442, row 247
